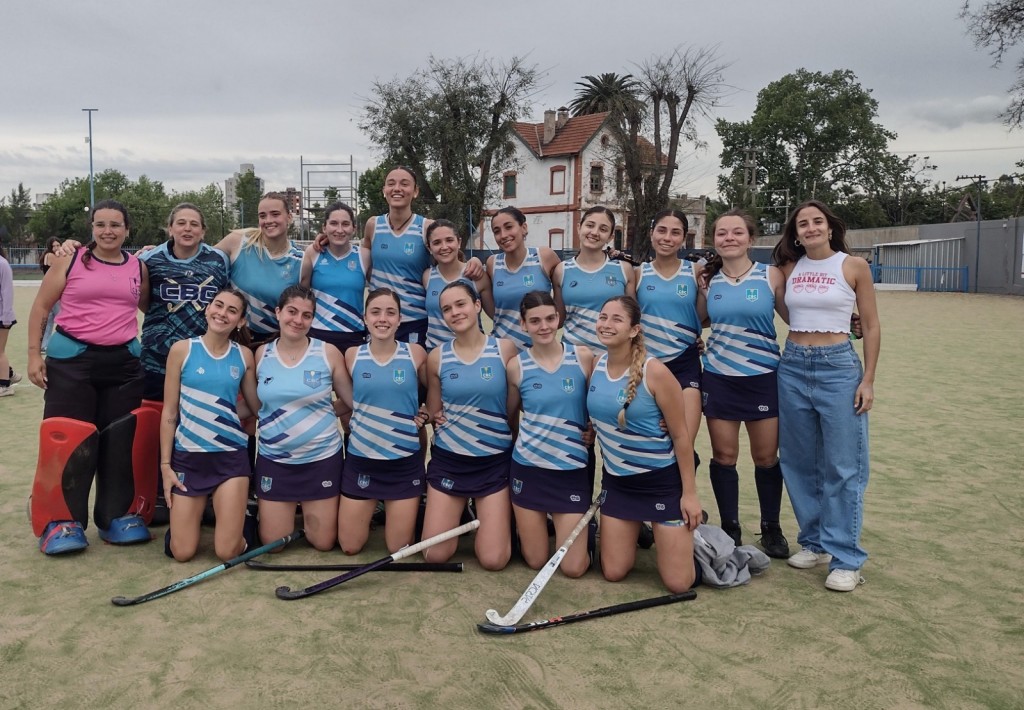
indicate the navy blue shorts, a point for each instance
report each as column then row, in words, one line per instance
column 741, row 399
column 293, row 482
column 551, row 491
column 203, row 471
column 686, row 368
column 413, row 331
column 383, row 479
column 467, row 476
column 342, row 341
column 652, row 496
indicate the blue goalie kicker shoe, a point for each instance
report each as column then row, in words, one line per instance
column 62, row 536
column 126, row 530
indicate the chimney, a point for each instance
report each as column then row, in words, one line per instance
column 563, row 116
column 549, row 126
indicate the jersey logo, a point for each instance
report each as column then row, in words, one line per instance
column 762, row 407
column 659, row 506
column 367, row 375
column 453, row 375
column 681, row 290
column 528, row 280
column 752, row 294
column 327, row 484
column 572, row 284
column 621, row 397
column 398, row 376
column 651, row 288
column 704, row 396
column 265, row 483
column 517, row 486
column 351, row 266
column 235, row 372
column 384, row 245
column 409, row 248
column 568, row 385
column 447, row 483
column 312, row 378
column 486, row 373
column 135, row 285
column 323, row 259
column 538, row 386
column 200, row 371
column 611, row 280
column 363, row 481
column 574, row 498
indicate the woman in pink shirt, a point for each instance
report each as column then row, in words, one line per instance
column 92, row 376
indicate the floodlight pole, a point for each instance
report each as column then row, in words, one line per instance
column 977, row 211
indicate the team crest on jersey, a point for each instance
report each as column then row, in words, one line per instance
column 265, row 483
column 200, row 371
column 398, row 376
column 351, row 266
column 409, row 248
column 447, row 483
column 323, row 259
column 528, row 280
column 363, row 481
column 621, row 397
column 517, row 486
column 235, row 372
column 682, row 290
column 569, row 385
column 486, row 373
column 611, row 280
column 312, row 378
column 752, row 294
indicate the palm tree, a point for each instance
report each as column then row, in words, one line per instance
column 617, row 93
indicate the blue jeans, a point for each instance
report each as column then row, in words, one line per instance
column 823, row 448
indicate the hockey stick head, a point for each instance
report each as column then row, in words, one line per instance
column 122, row 601
column 494, row 617
column 287, row 593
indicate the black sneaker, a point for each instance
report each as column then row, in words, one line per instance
column 733, row 530
column 646, row 537
column 773, row 542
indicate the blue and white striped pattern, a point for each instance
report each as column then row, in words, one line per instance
column 398, row 263
column 386, row 399
column 297, row 419
column 668, row 310
column 583, row 293
column 509, row 287
column 642, row 446
column 742, row 341
column 474, row 398
column 554, row 414
column 262, row 280
column 437, row 330
column 339, row 284
column 207, row 410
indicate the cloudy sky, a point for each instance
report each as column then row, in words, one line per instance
column 188, row 90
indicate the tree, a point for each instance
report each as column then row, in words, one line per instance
column 615, row 93
column 247, row 199
column 15, row 211
column 812, row 134
column 672, row 90
column 453, row 121
column 998, row 25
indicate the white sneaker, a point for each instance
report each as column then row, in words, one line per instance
column 6, row 391
column 843, row 580
column 808, row 558
column 15, row 378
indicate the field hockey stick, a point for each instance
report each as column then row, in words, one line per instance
column 289, row 593
column 393, row 567
column 247, row 555
column 592, row 614
column 546, row 572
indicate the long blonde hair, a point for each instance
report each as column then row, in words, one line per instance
column 638, row 352
column 254, row 237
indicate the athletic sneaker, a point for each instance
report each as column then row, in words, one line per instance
column 808, row 558
column 7, row 391
column 63, row 536
column 15, row 377
column 773, row 542
column 126, row 530
column 732, row 529
column 843, row 580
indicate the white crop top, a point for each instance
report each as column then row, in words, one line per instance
column 818, row 297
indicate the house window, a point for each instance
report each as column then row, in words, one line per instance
column 556, row 239
column 558, row 180
column 620, row 179
column 508, row 186
column 597, row 178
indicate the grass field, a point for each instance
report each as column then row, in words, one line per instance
column 938, row 625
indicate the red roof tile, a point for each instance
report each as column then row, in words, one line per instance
column 569, row 139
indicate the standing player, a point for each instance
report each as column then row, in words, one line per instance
column 515, row 272
column 468, row 398
column 443, row 244
column 202, row 443
column 299, row 458
column 384, row 457
column 824, row 391
column 550, row 472
column 740, row 385
column 337, row 274
column 7, row 321
column 585, row 282
column 648, row 473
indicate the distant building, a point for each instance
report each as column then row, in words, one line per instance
column 41, row 198
column 230, row 196
column 696, row 211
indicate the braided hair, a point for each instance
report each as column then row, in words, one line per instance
column 638, row 352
